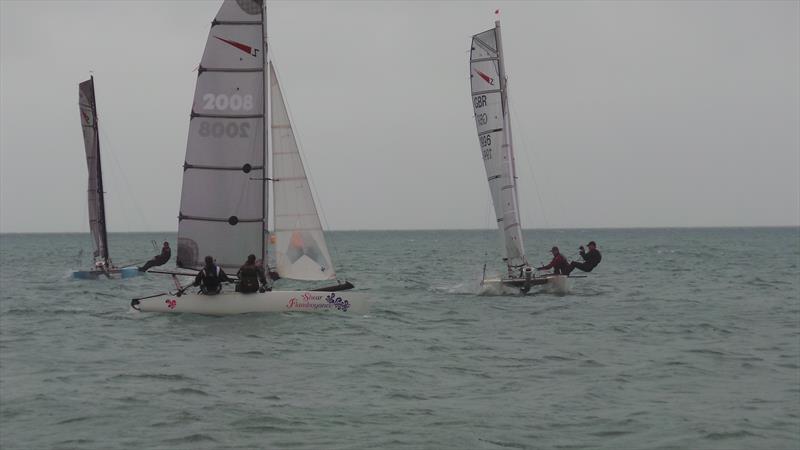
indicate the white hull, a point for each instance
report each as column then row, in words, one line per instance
column 267, row 302
column 556, row 284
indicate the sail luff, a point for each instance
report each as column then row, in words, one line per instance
column 264, row 137
column 509, row 140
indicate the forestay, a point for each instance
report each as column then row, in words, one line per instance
column 224, row 195
column 490, row 103
column 300, row 249
column 97, row 213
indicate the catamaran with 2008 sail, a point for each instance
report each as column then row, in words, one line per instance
column 103, row 267
column 489, row 87
column 224, row 199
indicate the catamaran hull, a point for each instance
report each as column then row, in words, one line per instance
column 125, row 272
column 267, row 302
column 557, row 284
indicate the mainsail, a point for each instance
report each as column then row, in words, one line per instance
column 490, row 103
column 224, row 197
column 91, row 141
column 301, row 252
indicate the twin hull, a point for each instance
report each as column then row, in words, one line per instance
column 557, row 284
column 125, row 272
column 272, row 301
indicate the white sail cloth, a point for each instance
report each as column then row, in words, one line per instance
column 300, row 249
column 224, row 195
column 224, row 199
column 489, row 101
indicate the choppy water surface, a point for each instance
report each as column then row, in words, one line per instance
column 683, row 338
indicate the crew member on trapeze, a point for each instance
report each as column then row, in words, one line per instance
column 158, row 260
column 559, row 264
column 590, row 259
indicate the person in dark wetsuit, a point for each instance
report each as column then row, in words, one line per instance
column 210, row 278
column 158, row 260
column 558, row 263
column 251, row 276
column 590, row 259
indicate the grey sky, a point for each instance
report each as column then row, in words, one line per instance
column 628, row 113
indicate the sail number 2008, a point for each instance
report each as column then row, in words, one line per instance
column 222, row 102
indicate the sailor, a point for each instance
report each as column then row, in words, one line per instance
column 210, row 278
column 251, row 276
column 101, row 266
column 558, row 263
column 270, row 275
column 158, row 260
column 590, row 259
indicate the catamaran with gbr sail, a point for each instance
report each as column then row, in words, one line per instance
column 238, row 106
column 489, row 88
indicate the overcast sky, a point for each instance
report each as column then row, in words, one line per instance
column 625, row 114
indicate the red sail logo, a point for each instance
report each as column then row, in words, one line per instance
column 243, row 47
column 485, row 77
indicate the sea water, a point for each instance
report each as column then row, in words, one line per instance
column 681, row 338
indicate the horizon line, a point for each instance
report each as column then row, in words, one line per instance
column 453, row 229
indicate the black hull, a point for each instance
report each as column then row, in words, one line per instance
column 339, row 287
column 520, row 282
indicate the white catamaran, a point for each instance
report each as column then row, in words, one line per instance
column 103, row 267
column 225, row 196
column 489, row 87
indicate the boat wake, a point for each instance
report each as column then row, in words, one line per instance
column 465, row 288
column 495, row 289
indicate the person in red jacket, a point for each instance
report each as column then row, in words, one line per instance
column 559, row 264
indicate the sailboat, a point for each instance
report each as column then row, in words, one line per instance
column 103, row 267
column 489, row 88
column 238, row 106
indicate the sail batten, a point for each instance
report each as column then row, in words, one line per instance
column 489, row 100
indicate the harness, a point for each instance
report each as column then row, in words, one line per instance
column 211, row 282
column 248, row 279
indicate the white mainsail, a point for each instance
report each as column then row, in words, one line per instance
column 91, row 142
column 224, row 196
column 490, row 103
column 300, row 248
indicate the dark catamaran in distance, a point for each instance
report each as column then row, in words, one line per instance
column 102, row 267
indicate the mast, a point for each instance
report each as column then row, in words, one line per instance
column 507, row 130
column 265, row 137
column 101, row 205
